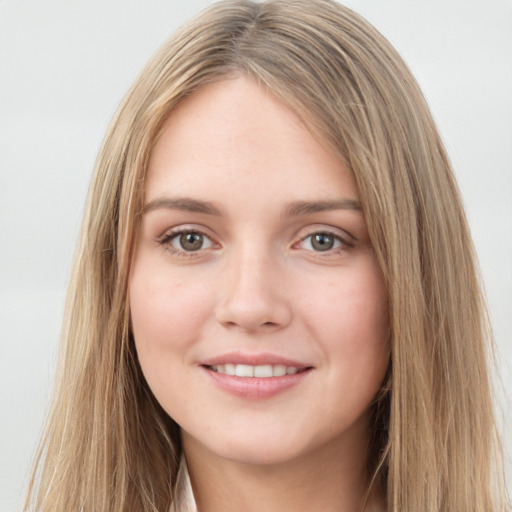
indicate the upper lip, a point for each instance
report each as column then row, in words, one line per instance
column 257, row 359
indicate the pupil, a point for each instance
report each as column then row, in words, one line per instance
column 322, row 242
column 191, row 241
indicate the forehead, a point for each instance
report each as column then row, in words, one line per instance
column 231, row 137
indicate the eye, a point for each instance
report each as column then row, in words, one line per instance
column 321, row 242
column 187, row 241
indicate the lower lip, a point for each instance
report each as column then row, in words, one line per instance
column 256, row 387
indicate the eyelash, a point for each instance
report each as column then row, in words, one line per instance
column 344, row 244
column 166, row 242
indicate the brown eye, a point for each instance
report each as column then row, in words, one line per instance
column 321, row 242
column 190, row 241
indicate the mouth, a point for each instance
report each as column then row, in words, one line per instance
column 256, row 381
column 260, row 371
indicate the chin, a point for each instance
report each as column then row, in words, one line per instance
column 261, row 446
column 262, row 454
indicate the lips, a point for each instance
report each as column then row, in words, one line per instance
column 255, row 376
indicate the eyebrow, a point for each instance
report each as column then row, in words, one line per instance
column 294, row 209
column 298, row 208
column 182, row 203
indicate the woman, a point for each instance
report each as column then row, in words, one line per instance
column 275, row 290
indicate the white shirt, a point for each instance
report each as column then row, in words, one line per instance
column 184, row 497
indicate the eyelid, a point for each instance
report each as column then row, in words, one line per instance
column 336, row 238
column 314, row 229
column 170, row 234
column 345, row 239
column 175, row 240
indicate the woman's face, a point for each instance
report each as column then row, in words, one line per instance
column 258, row 308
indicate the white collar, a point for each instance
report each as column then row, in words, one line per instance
column 184, row 497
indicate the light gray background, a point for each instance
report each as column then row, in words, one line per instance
column 64, row 67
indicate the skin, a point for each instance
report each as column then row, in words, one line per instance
column 258, row 284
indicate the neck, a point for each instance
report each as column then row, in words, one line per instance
column 332, row 479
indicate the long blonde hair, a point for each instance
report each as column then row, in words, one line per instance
column 109, row 446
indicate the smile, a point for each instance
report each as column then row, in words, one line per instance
column 256, row 381
column 260, row 371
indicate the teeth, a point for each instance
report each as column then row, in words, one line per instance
column 279, row 370
column 263, row 371
column 244, row 370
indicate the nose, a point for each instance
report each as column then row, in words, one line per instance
column 252, row 295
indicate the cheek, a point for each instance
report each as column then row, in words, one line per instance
column 167, row 312
column 351, row 323
column 351, row 307
column 168, row 315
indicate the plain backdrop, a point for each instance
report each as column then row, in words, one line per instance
column 65, row 66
